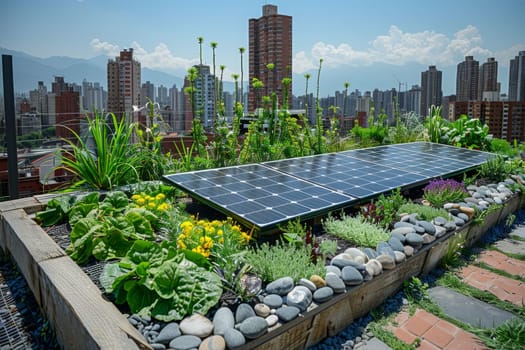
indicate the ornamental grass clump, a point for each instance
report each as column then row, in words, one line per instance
column 424, row 212
column 271, row 262
column 440, row 192
column 356, row 230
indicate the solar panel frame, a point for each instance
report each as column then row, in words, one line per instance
column 265, row 194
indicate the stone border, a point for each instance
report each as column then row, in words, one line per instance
column 83, row 319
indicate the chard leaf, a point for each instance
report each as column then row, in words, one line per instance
column 114, row 201
column 140, row 299
column 108, row 276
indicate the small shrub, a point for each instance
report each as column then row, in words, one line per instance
column 509, row 335
column 271, row 262
column 415, row 290
column 497, row 169
column 439, row 192
column 356, row 230
column 383, row 211
column 424, row 212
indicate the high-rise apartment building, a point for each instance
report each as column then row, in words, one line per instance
column 203, row 98
column 270, row 42
column 488, row 87
column 517, row 78
column 467, row 79
column 413, row 100
column 123, row 83
column 147, row 93
column 431, row 92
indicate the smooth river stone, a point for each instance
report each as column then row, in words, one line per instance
column 215, row 342
column 387, row 262
column 222, row 320
column 351, row 276
column 185, row 342
column 196, row 325
column 374, row 266
column 427, row 226
column 307, row 283
column 273, row 301
column 334, row 282
column 333, row 269
column 287, row 313
column 272, row 320
column 243, row 312
column 414, row 239
column 280, row 286
column 318, row 281
column 396, row 244
column 323, row 294
column 262, row 310
column 300, row 297
column 253, row 327
column 168, row 333
column 234, row 338
column 404, row 230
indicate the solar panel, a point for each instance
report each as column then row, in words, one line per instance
column 259, row 195
column 268, row 193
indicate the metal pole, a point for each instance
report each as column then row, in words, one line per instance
column 10, row 126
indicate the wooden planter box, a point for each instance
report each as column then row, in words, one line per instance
column 83, row 319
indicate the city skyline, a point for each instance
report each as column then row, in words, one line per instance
column 370, row 46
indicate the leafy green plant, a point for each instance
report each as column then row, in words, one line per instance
column 355, row 229
column 415, row 290
column 452, row 256
column 156, row 280
column 503, row 147
column 468, row 132
column 435, row 125
column 383, row 211
column 271, row 262
column 112, row 162
column 438, row 192
column 509, row 335
column 424, row 212
column 56, row 211
column 498, row 169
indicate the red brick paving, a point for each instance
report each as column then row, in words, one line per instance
column 500, row 261
column 435, row 333
column 504, row 288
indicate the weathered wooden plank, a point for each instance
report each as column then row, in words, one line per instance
column 82, row 318
column 28, row 245
column 331, row 321
column 510, row 206
column 29, row 204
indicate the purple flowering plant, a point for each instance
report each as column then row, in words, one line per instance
column 440, row 191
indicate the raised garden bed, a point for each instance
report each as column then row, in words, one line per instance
column 84, row 319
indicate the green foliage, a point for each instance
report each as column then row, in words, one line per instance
column 504, row 148
column 373, row 135
column 271, row 262
column 156, row 280
column 467, row 132
column 439, row 192
column 408, row 128
column 355, row 229
column 56, row 211
column 435, row 125
column 148, row 148
column 452, row 256
column 496, row 169
column 509, row 335
column 327, row 246
column 415, row 290
column 112, row 163
column 385, row 208
column 424, row 212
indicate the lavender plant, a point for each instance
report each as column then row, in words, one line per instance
column 439, row 192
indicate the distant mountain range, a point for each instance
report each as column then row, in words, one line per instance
column 29, row 70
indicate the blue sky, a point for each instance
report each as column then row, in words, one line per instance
column 367, row 43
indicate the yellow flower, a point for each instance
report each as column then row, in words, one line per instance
column 151, row 205
column 220, row 232
column 181, row 244
column 160, row 196
column 135, row 197
column 141, row 201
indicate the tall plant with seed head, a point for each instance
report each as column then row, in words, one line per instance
column 241, row 51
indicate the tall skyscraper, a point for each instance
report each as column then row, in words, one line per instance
column 431, row 93
column 270, row 41
column 517, row 78
column 488, row 89
column 123, row 83
column 147, row 93
column 203, row 98
column 467, row 79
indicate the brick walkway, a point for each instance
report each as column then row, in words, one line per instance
column 433, row 332
column 500, row 261
column 437, row 334
column 504, row 288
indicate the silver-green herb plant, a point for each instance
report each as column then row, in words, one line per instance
column 356, row 230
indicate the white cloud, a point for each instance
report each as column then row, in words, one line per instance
column 398, row 48
column 161, row 58
column 503, row 57
column 104, row 47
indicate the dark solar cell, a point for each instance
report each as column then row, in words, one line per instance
column 268, row 193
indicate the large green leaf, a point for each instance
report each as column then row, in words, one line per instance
column 114, row 200
column 108, row 276
column 140, row 299
column 56, row 210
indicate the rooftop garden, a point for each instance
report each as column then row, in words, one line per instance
column 186, row 278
